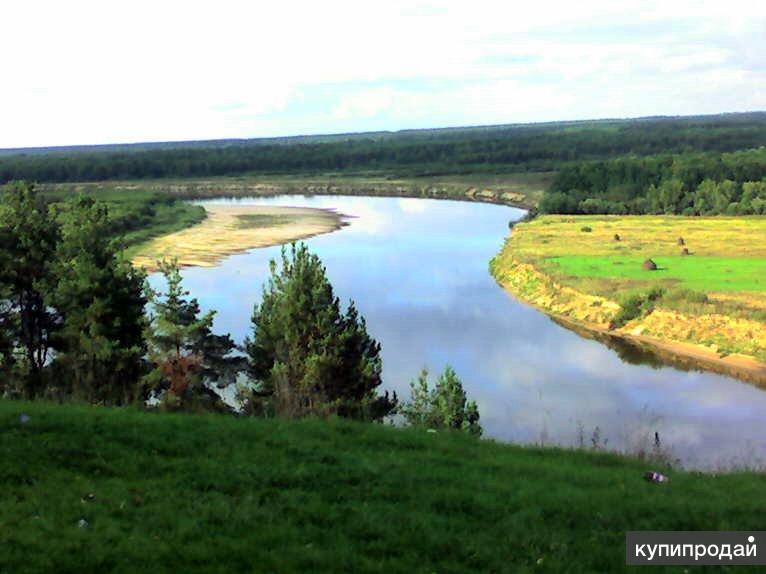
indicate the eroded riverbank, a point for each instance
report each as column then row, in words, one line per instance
column 715, row 331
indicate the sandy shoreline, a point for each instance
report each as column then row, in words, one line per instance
column 683, row 354
column 230, row 229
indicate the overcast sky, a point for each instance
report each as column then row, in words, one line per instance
column 79, row 72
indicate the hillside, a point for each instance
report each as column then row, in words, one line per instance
column 91, row 489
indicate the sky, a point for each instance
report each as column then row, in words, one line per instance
column 81, row 72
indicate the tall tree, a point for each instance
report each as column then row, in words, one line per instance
column 306, row 356
column 100, row 296
column 28, row 237
column 187, row 356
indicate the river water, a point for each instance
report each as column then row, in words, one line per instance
column 418, row 271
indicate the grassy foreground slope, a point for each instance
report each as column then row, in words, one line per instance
column 184, row 493
column 709, row 288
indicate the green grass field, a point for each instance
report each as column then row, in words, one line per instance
column 705, row 274
column 137, row 215
column 727, row 255
column 185, row 493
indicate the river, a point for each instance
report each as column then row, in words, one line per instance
column 418, row 271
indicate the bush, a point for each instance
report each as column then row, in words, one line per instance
column 637, row 305
column 443, row 407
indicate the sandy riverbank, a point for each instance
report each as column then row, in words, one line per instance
column 230, row 229
column 590, row 316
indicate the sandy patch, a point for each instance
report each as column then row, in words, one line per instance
column 230, row 229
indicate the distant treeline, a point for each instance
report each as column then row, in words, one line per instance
column 424, row 152
column 688, row 184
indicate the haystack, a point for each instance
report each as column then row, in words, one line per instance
column 650, row 265
column 616, row 236
column 681, row 241
column 685, row 251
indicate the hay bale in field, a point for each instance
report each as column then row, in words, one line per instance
column 616, row 236
column 685, row 251
column 649, row 265
column 681, row 241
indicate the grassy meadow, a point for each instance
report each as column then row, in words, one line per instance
column 709, row 287
column 705, row 274
column 727, row 255
column 137, row 216
column 94, row 489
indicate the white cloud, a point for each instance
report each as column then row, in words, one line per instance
column 365, row 104
column 93, row 72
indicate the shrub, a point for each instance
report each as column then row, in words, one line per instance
column 443, row 407
column 586, row 229
column 636, row 305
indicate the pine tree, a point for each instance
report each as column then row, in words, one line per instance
column 187, row 356
column 306, row 356
column 101, row 299
column 28, row 237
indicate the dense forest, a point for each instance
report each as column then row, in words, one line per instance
column 529, row 147
column 688, row 184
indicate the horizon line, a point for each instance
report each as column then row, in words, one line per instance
column 9, row 150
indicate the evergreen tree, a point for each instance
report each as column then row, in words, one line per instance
column 306, row 356
column 446, row 406
column 101, row 298
column 28, row 237
column 187, row 356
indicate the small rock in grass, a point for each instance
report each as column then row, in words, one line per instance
column 82, row 523
column 24, row 418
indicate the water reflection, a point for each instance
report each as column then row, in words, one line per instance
column 417, row 270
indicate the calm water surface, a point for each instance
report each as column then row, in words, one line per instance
column 418, row 271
